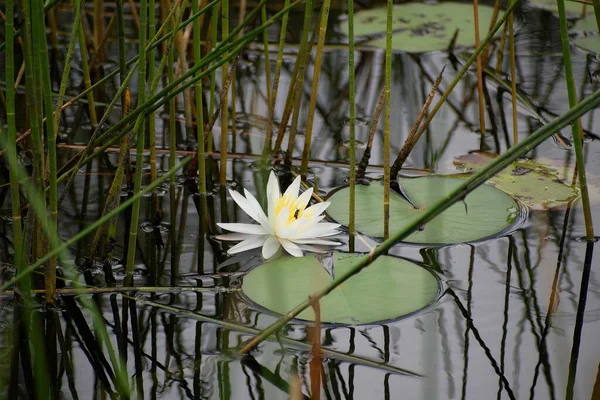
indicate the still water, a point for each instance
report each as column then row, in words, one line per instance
column 503, row 326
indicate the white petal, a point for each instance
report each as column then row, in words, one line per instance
column 253, row 210
column 322, row 242
column 248, row 244
column 293, row 189
column 243, row 228
column 271, row 213
column 291, row 248
column 304, row 198
column 273, row 187
column 270, row 247
column 288, row 229
column 273, row 195
column 322, row 234
column 281, row 221
column 261, row 217
column 327, row 225
column 317, row 209
column 234, row 236
column 317, row 230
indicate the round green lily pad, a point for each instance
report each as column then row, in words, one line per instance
column 387, row 289
column 484, row 213
column 587, row 23
column 420, row 27
column 588, row 43
column 572, row 7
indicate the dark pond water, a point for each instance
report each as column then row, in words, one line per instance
column 490, row 335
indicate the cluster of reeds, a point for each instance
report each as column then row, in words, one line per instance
column 173, row 74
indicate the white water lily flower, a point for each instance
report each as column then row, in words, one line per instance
column 289, row 222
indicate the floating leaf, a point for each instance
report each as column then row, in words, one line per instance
column 419, row 27
column 535, row 184
column 588, row 43
column 587, row 23
column 389, row 288
column 485, row 212
column 572, row 7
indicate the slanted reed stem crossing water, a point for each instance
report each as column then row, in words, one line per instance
column 476, row 180
column 189, row 77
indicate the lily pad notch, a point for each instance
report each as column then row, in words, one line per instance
column 485, row 213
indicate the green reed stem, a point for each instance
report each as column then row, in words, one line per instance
column 47, row 7
column 214, row 22
column 15, row 197
column 596, row 4
column 44, row 369
column 121, row 41
column 152, row 116
column 36, row 201
column 121, row 93
column 140, row 136
column 290, row 99
column 200, row 134
column 188, row 79
column 466, row 67
column 85, row 66
column 302, row 60
column 99, row 46
column 155, row 42
column 352, row 107
column 224, row 99
column 234, row 90
column 314, row 92
column 41, row 58
column 107, row 142
column 500, row 52
column 181, row 45
column 495, row 13
column 173, row 149
column 386, row 129
column 33, row 85
column 67, row 66
column 175, row 87
column 577, row 138
column 234, row 94
column 98, row 26
column 476, row 180
column 273, row 96
column 34, row 330
column 60, row 248
column 479, row 62
column 112, row 199
column 263, row 18
column 513, row 77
